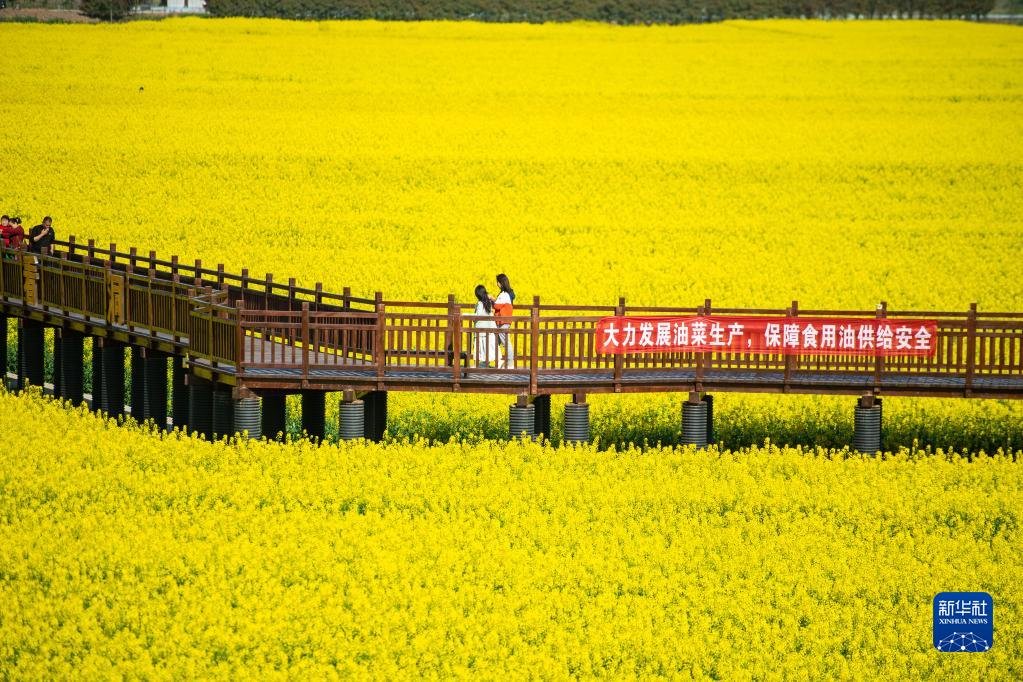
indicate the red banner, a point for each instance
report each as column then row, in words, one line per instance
column 868, row 337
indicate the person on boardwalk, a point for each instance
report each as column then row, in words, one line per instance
column 41, row 236
column 503, row 309
column 486, row 342
column 12, row 232
column 15, row 235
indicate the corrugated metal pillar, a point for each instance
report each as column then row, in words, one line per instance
column 352, row 420
column 867, row 425
column 521, row 419
column 274, row 420
column 71, row 367
column 179, row 394
column 31, row 350
column 247, row 417
column 112, row 377
column 375, row 415
column 577, row 421
column 694, row 421
column 314, row 413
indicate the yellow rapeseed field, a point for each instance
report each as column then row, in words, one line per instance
column 753, row 163
column 123, row 554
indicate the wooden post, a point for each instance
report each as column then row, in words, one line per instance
column 176, row 279
column 71, row 245
column 455, row 327
column 61, row 293
column 378, row 346
column 618, row 359
column 790, row 360
column 174, row 268
column 197, row 277
column 971, row 347
column 239, row 350
column 291, row 292
column 534, row 342
column 700, row 357
column 882, row 313
column 318, row 295
column 133, row 254
column 209, row 324
column 220, row 275
column 305, row 343
column 244, row 284
column 707, row 363
column 149, row 293
column 346, row 298
column 112, row 255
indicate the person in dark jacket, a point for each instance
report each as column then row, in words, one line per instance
column 41, row 236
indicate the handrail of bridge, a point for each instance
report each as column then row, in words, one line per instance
column 250, row 328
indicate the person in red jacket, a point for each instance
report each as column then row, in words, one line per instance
column 15, row 236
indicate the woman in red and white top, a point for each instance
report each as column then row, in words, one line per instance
column 503, row 310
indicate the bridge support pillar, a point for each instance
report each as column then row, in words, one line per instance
column 200, row 406
column 521, row 419
column 3, row 350
column 223, row 411
column 542, row 416
column 97, row 374
column 138, row 385
column 709, row 399
column 352, row 420
column 69, row 366
column 376, row 415
column 274, row 419
column 314, row 413
column 179, row 393
column 108, row 377
column 149, row 386
column 867, row 426
column 695, row 423
column 577, row 420
column 31, row 351
column 55, row 375
column 247, row 419
column 148, row 379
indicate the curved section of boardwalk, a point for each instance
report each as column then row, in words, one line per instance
column 259, row 335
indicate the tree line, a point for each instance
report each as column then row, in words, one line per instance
column 610, row 11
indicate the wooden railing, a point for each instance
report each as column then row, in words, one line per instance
column 245, row 326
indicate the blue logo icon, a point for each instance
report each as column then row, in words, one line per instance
column 964, row 621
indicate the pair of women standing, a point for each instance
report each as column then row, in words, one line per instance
column 495, row 313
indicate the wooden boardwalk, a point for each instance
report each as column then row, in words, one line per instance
column 259, row 335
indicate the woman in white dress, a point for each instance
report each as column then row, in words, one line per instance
column 486, row 342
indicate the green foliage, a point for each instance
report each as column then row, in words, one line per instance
column 611, row 11
column 111, row 10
